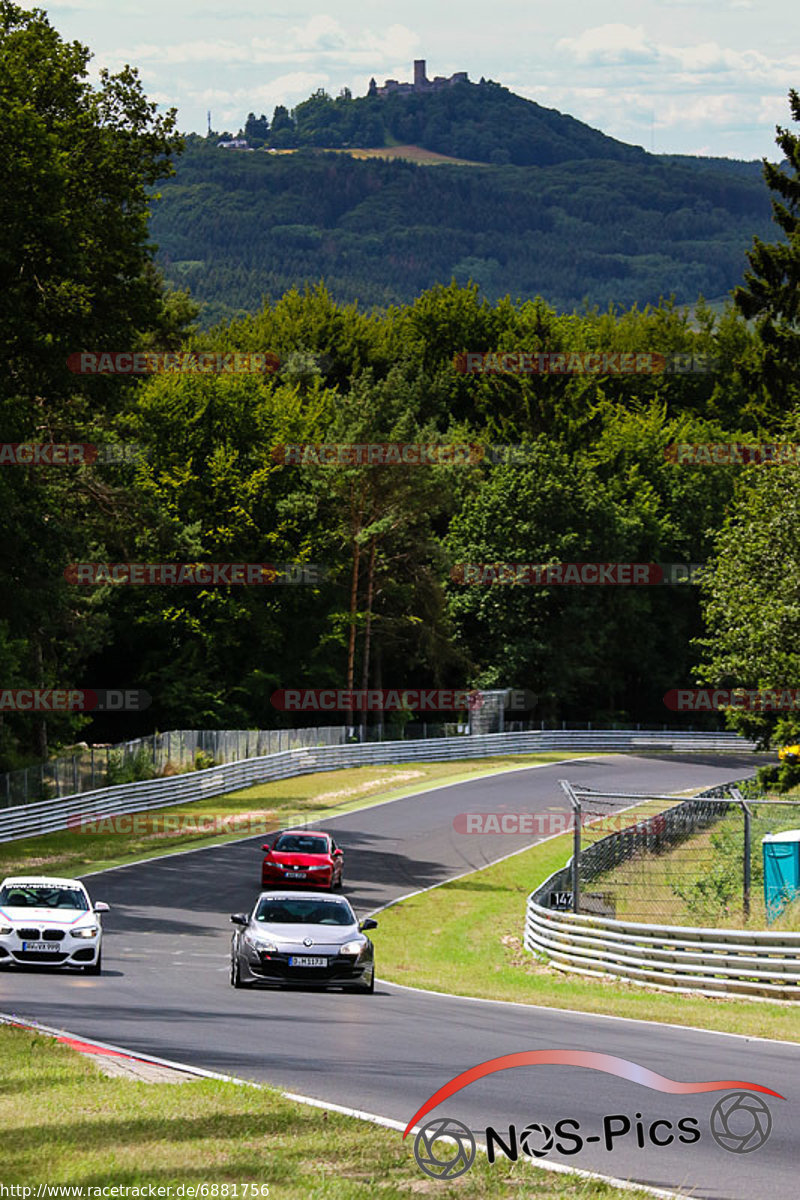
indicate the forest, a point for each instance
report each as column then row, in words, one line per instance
column 236, row 228
column 191, row 465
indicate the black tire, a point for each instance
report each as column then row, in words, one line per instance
column 236, row 973
column 95, row 968
column 365, row 989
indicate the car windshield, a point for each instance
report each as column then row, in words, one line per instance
column 23, row 895
column 304, row 912
column 297, row 843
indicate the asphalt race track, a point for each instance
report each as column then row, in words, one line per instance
column 165, row 991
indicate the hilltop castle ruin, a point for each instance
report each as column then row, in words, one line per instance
column 421, row 82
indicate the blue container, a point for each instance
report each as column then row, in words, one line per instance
column 781, row 870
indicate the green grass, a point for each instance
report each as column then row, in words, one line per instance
column 268, row 805
column 65, row 1123
column 699, row 881
column 465, row 937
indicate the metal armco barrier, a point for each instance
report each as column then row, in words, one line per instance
column 714, row 962
column 50, row 816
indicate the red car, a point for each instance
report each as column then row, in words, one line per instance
column 304, row 859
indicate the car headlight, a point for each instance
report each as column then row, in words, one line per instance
column 6, row 929
column 257, row 943
column 89, row 932
column 353, row 948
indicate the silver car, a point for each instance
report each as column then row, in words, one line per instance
column 50, row 921
column 313, row 938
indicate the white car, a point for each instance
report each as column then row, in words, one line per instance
column 49, row 921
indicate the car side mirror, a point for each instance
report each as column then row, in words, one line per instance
column 367, row 923
column 338, row 853
column 239, row 919
column 101, row 906
column 267, row 849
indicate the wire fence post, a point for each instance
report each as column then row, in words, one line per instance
column 576, row 843
column 747, row 815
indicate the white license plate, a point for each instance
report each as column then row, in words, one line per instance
column 44, row 947
column 305, row 960
column 297, row 874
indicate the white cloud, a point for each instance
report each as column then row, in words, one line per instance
column 724, row 111
column 263, row 96
column 320, row 39
column 318, row 33
column 608, row 45
column 613, row 66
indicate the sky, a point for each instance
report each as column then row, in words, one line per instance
column 707, row 77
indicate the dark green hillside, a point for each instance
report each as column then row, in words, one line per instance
column 484, row 122
column 234, row 227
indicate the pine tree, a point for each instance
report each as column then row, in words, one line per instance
column 771, row 295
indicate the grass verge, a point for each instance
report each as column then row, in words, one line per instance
column 700, row 880
column 465, row 938
column 252, row 810
column 65, row 1123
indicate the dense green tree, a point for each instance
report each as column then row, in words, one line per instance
column 256, row 129
column 750, row 603
column 771, row 292
column 77, row 165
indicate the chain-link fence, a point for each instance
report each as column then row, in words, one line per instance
column 91, row 767
column 696, row 862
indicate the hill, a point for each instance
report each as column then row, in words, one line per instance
column 234, row 227
column 480, row 122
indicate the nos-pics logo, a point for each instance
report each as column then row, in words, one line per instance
column 740, row 1122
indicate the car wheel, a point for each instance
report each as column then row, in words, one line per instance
column 95, row 968
column 236, row 973
column 367, row 988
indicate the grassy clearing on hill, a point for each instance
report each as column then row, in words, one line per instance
column 417, row 154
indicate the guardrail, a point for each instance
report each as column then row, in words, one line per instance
column 50, row 816
column 713, row 962
column 87, row 768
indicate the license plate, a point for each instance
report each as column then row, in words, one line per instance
column 305, row 960
column 45, row 947
column 297, row 874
